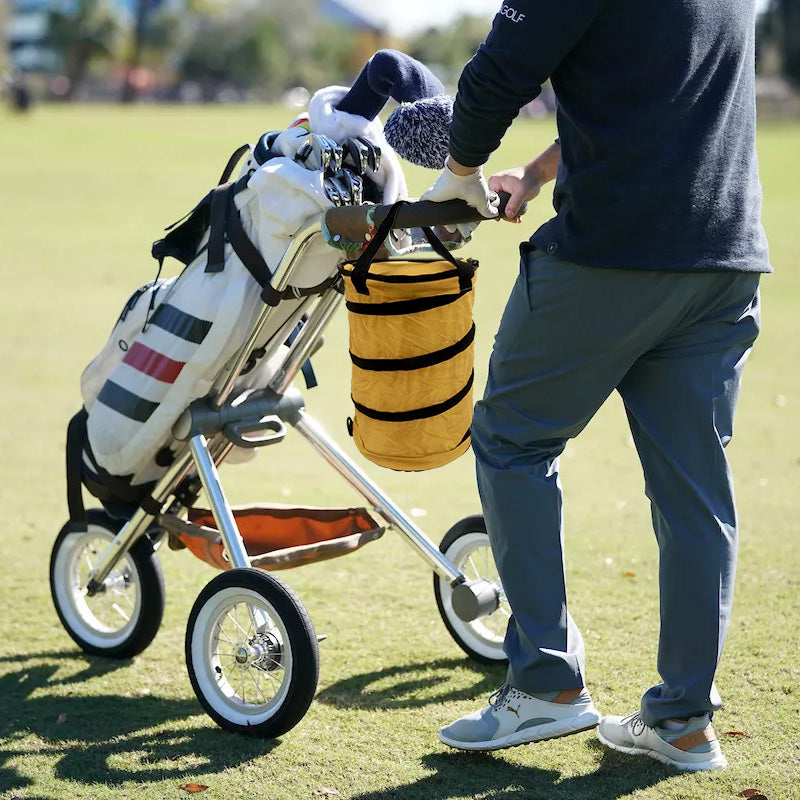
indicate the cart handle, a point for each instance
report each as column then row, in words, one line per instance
column 422, row 213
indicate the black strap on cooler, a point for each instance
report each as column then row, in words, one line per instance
column 402, row 307
column 416, row 362
column 418, row 413
column 361, row 265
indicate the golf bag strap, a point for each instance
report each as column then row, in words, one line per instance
column 76, row 436
column 232, row 162
column 77, row 446
column 257, row 266
column 182, row 240
column 216, row 236
column 121, row 489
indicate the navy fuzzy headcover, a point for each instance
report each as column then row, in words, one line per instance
column 419, row 132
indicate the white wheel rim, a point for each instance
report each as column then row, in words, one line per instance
column 107, row 619
column 472, row 554
column 243, row 693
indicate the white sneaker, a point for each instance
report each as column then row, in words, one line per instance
column 513, row 718
column 693, row 747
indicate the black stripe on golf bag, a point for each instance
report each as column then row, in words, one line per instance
column 180, row 323
column 127, row 403
column 415, row 362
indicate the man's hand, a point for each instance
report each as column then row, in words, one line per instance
column 524, row 183
column 521, row 184
column 465, row 183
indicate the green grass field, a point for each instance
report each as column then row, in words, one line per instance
column 83, row 193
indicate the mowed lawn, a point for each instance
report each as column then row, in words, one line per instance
column 83, row 193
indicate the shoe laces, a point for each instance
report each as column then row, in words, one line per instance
column 496, row 698
column 636, row 723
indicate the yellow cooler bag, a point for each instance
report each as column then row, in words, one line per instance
column 411, row 344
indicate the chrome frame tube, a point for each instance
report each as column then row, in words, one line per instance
column 140, row 521
column 296, row 250
column 303, row 346
column 313, row 433
column 220, row 508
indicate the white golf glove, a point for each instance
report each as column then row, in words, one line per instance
column 288, row 142
column 464, row 230
column 472, row 188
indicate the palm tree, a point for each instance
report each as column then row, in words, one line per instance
column 82, row 35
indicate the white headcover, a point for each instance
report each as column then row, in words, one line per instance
column 326, row 119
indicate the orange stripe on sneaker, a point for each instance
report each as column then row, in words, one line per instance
column 153, row 363
column 568, row 695
column 695, row 739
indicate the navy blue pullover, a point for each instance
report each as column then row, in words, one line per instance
column 656, row 121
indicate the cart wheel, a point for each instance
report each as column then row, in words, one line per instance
column 251, row 653
column 466, row 544
column 121, row 619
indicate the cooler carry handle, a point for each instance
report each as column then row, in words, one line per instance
column 362, row 264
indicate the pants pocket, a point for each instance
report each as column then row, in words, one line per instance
column 529, row 265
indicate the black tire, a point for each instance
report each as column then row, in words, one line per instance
column 229, row 656
column 481, row 639
column 121, row 621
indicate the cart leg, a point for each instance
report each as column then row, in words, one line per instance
column 313, row 432
column 136, row 526
column 209, row 477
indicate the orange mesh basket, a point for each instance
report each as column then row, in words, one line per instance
column 278, row 537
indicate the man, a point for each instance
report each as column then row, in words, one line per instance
column 645, row 281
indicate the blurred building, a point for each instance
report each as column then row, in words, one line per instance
column 26, row 34
column 27, row 24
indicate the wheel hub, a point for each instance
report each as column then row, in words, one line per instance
column 271, row 652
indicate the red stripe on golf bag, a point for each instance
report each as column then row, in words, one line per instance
column 152, row 363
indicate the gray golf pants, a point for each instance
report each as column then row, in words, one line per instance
column 674, row 346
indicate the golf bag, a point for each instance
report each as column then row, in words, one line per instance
column 175, row 336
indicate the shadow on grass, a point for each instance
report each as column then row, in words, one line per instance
column 486, row 775
column 100, row 738
column 412, row 685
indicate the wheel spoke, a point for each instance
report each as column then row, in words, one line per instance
column 235, row 621
column 258, row 688
column 275, row 680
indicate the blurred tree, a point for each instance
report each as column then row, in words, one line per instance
column 447, row 50
column 88, row 31
column 780, row 24
column 129, row 90
column 260, row 48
